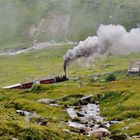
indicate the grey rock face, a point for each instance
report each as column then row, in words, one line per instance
column 71, row 112
column 99, row 133
column 85, row 100
column 46, row 101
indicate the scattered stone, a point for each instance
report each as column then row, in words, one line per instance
column 26, row 127
column 114, row 122
column 126, row 128
column 79, row 114
column 85, row 100
column 72, row 113
column 55, row 104
column 14, row 139
column 28, row 115
column 100, row 96
column 96, row 102
column 99, row 133
column 136, row 123
column 91, row 123
column 105, row 125
column 87, row 130
column 76, row 125
column 67, row 130
column 120, row 137
column 44, row 122
column 86, row 119
column 136, row 136
column 46, row 101
column 95, row 78
column 22, row 112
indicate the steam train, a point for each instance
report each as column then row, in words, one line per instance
column 29, row 85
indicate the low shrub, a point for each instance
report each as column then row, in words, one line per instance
column 110, row 77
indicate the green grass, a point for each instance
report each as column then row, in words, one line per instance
column 119, row 100
column 122, row 104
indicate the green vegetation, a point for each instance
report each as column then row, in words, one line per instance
column 110, row 77
column 121, row 104
column 119, row 99
column 26, row 21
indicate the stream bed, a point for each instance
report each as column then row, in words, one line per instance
column 87, row 120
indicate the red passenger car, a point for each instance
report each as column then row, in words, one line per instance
column 47, row 81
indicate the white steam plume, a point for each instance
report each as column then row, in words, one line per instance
column 110, row 39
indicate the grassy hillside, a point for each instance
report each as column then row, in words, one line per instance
column 26, row 20
column 49, row 62
column 119, row 100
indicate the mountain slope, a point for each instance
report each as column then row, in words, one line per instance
column 60, row 20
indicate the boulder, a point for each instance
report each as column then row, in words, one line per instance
column 88, row 120
column 136, row 136
column 14, row 139
column 28, row 115
column 67, row 131
column 76, row 125
column 114, row 122
column 43, row 122
column 71, row 112
column 80, row 114
column 91, row 123
column 105, row 125
column 100, row 133
column 54, row 104
column 86, row 99
column 46, row 101
column 87, row 130
column 22, row 112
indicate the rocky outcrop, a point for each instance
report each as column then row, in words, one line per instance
column 99, row 133
column 33, row 117
column 86, row 99
column 46, row 101
column 71, row 112
column 87, row 119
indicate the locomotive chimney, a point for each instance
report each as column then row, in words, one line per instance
column 65, row 68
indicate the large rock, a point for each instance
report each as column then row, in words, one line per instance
column 67, row 131
column 43, row 122
column 100, row 133
column 85, row 100
column 14, row 139
column 72, row 113
column 28, row 115
column 76, row 125
column 23, row 112
column 46, row 101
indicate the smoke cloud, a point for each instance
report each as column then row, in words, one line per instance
column 110, row 39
